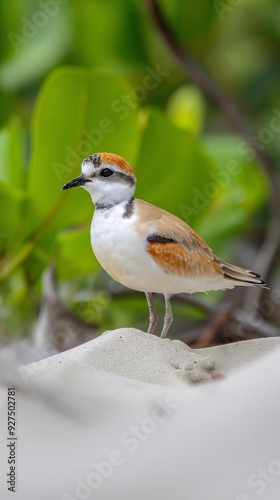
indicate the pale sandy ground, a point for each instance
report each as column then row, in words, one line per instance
column 129, row 416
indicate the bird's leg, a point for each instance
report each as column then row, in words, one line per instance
column 152, row 312
column 168, row 318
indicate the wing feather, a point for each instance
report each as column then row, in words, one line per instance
column 179, row 250
column 174, row 245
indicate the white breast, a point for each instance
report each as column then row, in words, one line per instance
column 118, row 247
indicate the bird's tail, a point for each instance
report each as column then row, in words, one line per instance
column 241, row 276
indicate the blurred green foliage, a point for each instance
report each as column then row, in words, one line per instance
column 81, row 76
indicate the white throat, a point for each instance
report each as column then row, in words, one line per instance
column 109, row 193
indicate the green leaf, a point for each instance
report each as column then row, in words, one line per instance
column 191, row 21
column 12, row 176
column 185, row 109
column 78, row 112
column 171, row 167
column 12, row 171
column 235, row 172
column 75, row 257
column 240, row 189
column 38, row 41
column 114, row 41
column 10, row 209
column 10, row 21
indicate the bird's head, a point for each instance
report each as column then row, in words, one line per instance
column 107, row 177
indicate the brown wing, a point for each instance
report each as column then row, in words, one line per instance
column 178, row 249
column 174, row 245
column 173, row 258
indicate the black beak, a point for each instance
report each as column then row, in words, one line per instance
column 78, row 181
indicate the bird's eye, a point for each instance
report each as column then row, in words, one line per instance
column 106, row 172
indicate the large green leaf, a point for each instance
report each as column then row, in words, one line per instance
column 171, row 167
column 74, row 256
column 234, row 170
column 10, row 210
column 77, row 113
column 115, row 40
column 37, row 39
column 240, row 189
column 12, row 176
column 10, row 22
column 11, row 170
